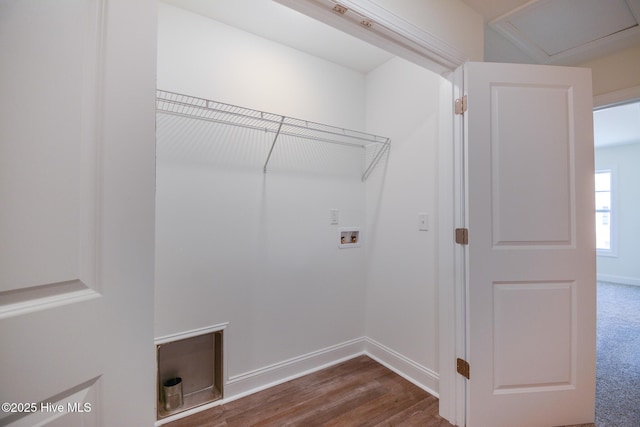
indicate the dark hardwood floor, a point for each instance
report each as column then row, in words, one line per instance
column 358, row 392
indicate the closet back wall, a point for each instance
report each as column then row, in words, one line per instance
column 239, row 246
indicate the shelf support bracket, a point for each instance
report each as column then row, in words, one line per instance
column 375, row 160
column 264, row 169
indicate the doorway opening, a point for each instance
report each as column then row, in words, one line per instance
column 617, row 155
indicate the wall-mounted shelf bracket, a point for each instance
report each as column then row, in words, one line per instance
column 264, row 169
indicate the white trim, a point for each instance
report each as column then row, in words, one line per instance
column 259, row 379
column 460, row 217
column 451, row 257
column 189, row 334
column 618, row 279
column 410, row 370
column 447, row 266
column 606, row 253
column 430, row 46
column 617, row 97
column 389, row 32
column 46, row 297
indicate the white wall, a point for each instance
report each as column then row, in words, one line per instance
column 402, row 302
column 239, row 246
column 617, row 72
column 201, row 57
column 624, row 161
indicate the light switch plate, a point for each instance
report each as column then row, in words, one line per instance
column 334, row 216
column 423, row 221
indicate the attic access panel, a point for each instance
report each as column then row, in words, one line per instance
column 551, row 31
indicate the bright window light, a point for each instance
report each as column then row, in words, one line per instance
column 603, row 210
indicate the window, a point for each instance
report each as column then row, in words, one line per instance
column 603, row 212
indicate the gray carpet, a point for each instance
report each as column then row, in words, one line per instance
column 618, row 363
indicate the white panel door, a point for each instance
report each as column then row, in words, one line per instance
column 531, row 254
column 77, row 137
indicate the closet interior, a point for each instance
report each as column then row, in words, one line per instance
column 286, row 225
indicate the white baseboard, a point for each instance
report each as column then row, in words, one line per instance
column 618, row 279
column 242, row 385
column 250, row 382
column 419, row 375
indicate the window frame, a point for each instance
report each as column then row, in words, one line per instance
column 613, row 217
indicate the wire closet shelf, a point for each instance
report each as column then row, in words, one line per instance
column 205, row 109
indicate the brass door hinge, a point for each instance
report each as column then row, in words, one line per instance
column 461, row 105
column 462, row 236
column 462, row 367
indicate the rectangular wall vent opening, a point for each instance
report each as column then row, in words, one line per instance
column 189, row 373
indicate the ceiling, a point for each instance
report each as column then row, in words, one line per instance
column 286, row 26
column 569, row 32
column 535, row 20
column 563, row 32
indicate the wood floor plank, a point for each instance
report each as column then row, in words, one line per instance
column 423, row 413
column 358, row 392
column 302, row 396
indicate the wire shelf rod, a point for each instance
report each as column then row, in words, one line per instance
column 304, row 131
column 263, row 129
column 208, row 108
column 293, row 126
column 220, row 121
column 187, row 106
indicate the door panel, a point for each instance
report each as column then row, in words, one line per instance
column 46, row 182
column 77, row 209
column 519, row 147
column 531, row 252
column 522, row 303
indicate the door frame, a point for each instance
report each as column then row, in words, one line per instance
column 458, row 213
column 617, row 97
